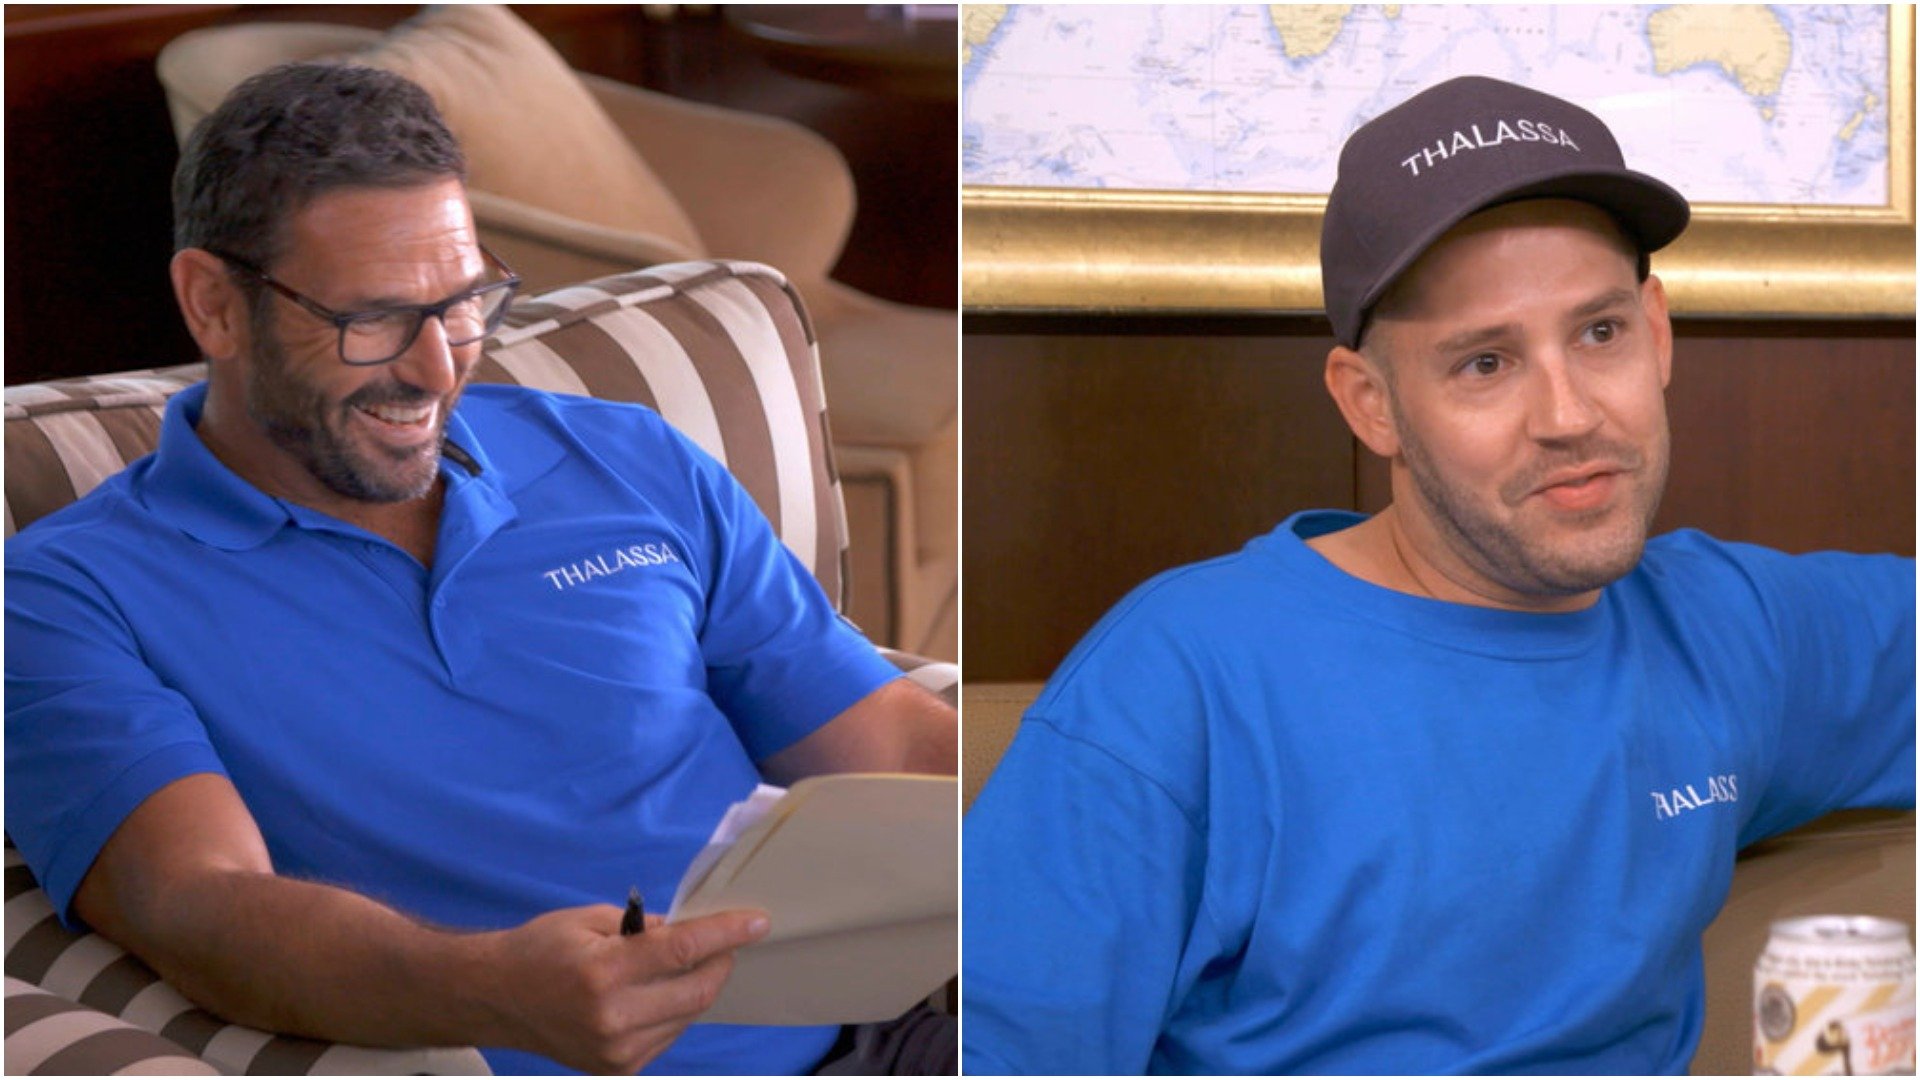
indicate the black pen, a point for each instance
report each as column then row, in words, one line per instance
column 635, row 920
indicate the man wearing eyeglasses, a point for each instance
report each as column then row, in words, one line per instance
column 293, row 692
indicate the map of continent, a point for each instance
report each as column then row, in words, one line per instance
column 1747, row 40
column 1308, row 29
column 1730, row 103
column 977, row 24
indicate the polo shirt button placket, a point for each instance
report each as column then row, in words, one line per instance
column 445, row 636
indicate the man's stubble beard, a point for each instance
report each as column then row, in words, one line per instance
column 303, row 423
column 1529, row 566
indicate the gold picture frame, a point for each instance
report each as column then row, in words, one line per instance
column 1052, row 249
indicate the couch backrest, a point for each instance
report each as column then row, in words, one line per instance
column 723, row 350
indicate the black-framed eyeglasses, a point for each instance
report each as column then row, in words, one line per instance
column 381, row 336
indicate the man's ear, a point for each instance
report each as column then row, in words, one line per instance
column 1359, row 388
column 214, row 308
column 1653, row 299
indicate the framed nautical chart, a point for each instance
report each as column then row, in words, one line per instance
column 1176, row 158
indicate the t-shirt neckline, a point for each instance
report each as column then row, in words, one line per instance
column 1465, row 627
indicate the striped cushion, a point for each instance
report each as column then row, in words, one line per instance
column 51, row 1036
column 724, row 351
column 64, row 437
column 112, row 992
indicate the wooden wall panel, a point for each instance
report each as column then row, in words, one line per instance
column 1100, row 451
column 89, row 153
column 1094, row 459
column 1799, row 437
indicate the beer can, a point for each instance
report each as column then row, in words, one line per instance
column 1833, row 996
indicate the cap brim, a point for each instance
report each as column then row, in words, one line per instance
column 1650, row 212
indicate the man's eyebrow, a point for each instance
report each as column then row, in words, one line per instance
column 1609, row 299
column 373, row 304
column 1483, row 335
column 1480, row 335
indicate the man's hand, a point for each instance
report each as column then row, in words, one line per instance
column 578, row 992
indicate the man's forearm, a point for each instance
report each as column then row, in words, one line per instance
column 308, row 959
column 303, row 958
column 186, row 884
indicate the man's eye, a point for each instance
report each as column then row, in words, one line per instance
column 1484, row 364
column 1603, row 331
column 378, row 323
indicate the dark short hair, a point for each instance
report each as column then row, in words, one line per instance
column 293, row 133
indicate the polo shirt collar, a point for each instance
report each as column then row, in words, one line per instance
column 462, row 453
column 191, row 489
column 196, row 493
column 476, row 505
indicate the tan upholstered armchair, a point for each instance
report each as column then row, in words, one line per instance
column 575, row 177
column 672, row 338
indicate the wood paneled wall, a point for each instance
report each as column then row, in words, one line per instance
column 1119, row 447
column 90, row 153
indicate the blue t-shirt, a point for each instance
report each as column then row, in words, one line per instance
column 561, row 707
column 1269, row 818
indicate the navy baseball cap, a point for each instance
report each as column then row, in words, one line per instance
column 1452, row 150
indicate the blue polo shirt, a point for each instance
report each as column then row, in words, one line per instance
column 562, row 706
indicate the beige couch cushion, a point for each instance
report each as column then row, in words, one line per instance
column 530, row 130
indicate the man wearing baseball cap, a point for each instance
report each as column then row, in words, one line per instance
column 1456, row 787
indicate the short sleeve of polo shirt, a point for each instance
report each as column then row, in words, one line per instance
column 780, row 660
column 91, row 731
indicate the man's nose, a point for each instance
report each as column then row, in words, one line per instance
column 430, row 364
column 1565, row 406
